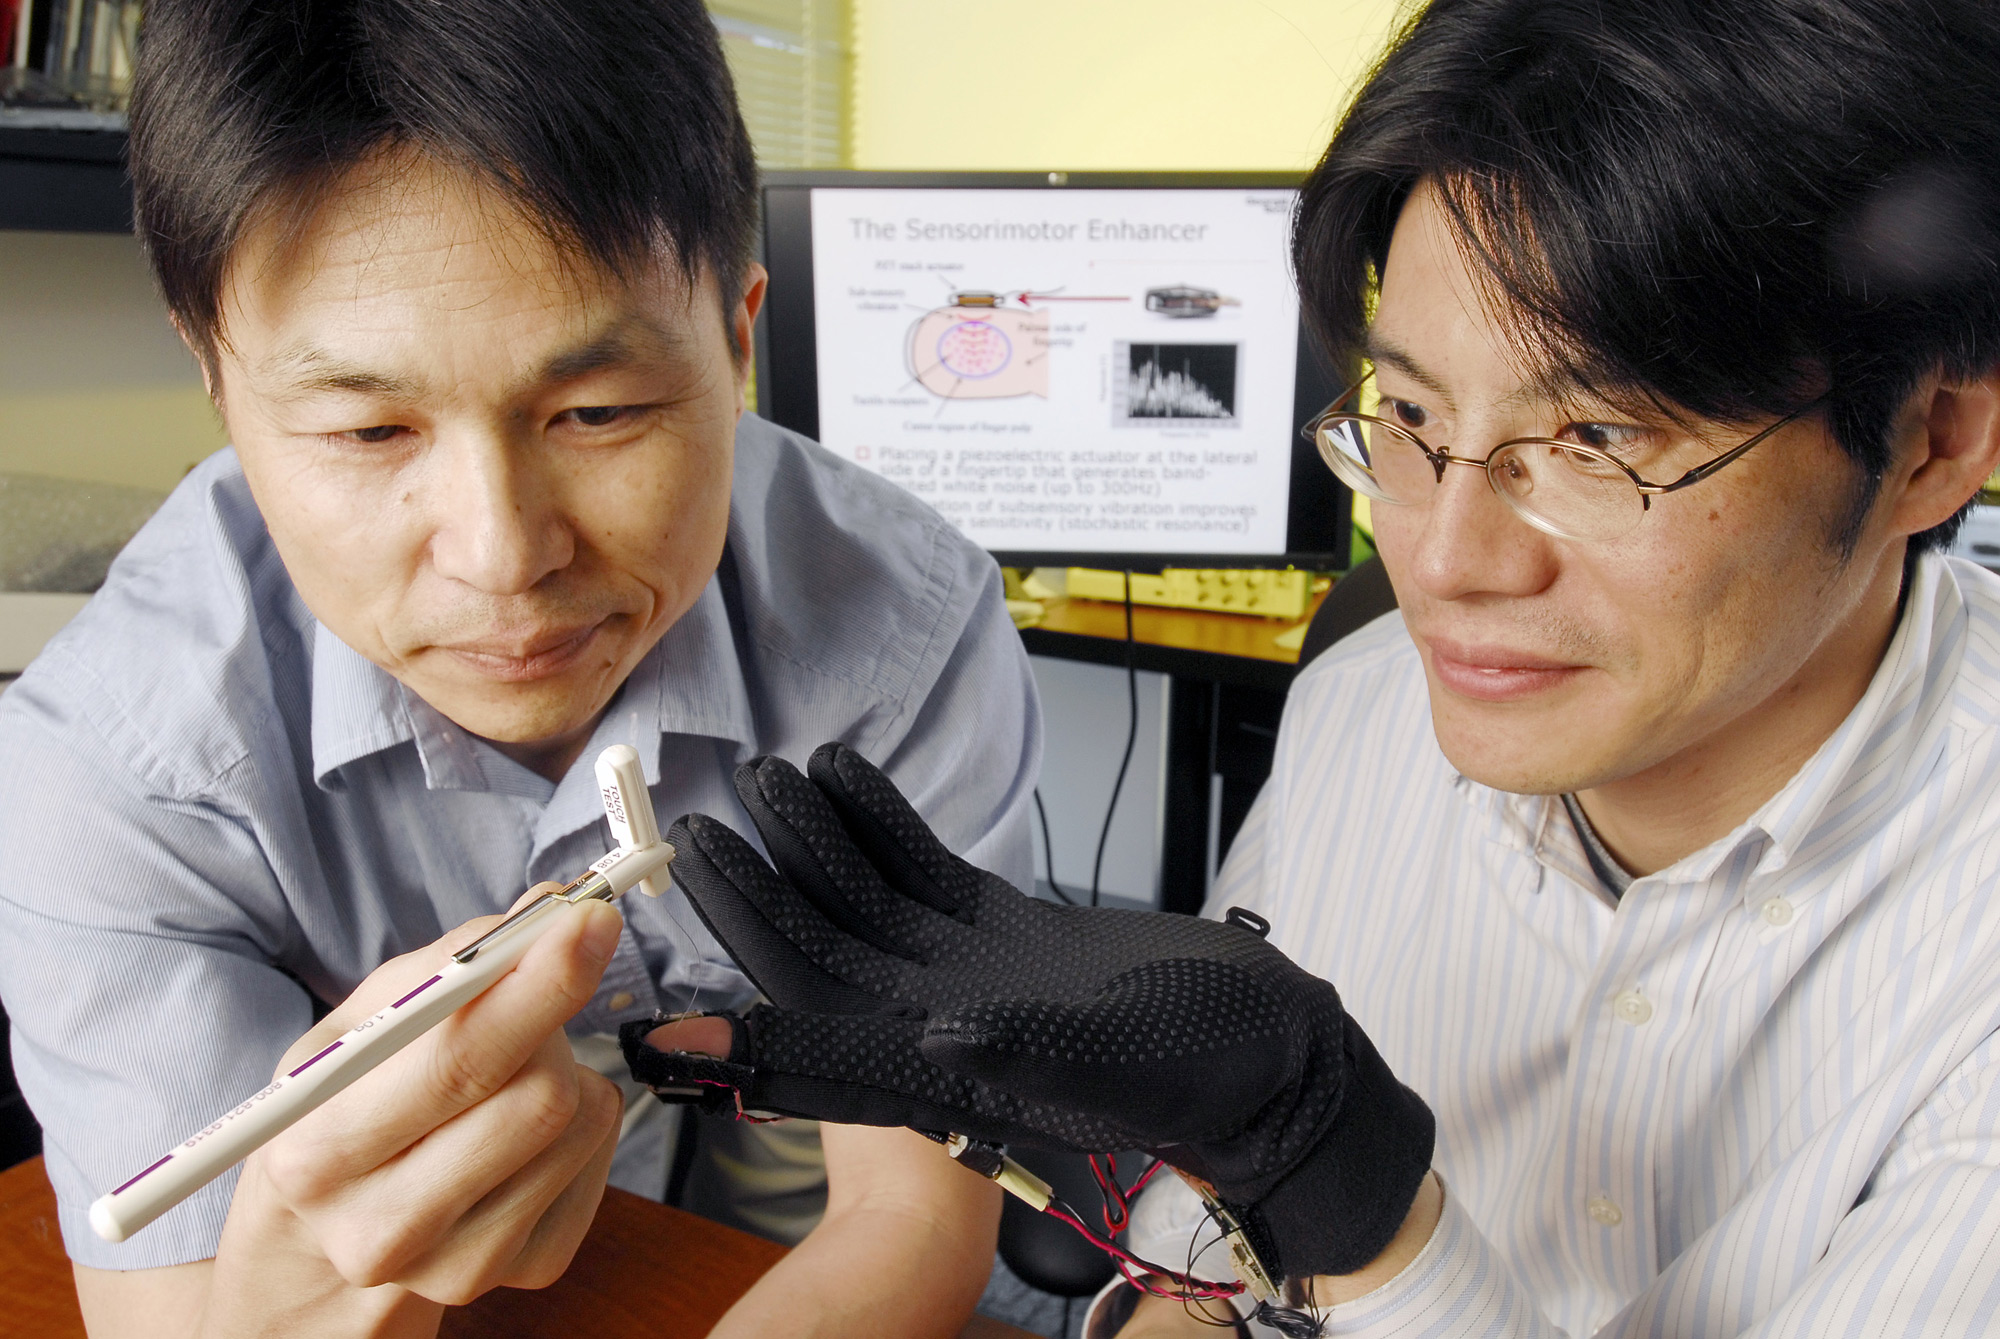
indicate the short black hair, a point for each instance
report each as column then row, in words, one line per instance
column 1714, row 207
column 612, row 124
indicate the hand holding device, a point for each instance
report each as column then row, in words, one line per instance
column 911, row 988
column 470, row 971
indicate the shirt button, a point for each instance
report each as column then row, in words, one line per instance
column 622, row 1000
column 1602, row 1210
column 1632, row 1007
column 1777, row 911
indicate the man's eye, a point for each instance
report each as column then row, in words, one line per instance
column 1611, row 438
column 380, row 433
column 597, row 416
column 1405, row 413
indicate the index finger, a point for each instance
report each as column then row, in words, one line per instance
column 474, row 1052
column 397, row 977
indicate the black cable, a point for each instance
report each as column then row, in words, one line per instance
column 1049, row 852
column 1131, row 738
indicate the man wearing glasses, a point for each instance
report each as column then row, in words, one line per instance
column 1654, row 844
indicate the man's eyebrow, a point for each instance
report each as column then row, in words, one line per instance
column 1547, row 385
column 1384, row 353
column 627, row 340
column 309, row 369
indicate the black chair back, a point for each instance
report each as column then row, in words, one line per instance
column 1356, row 600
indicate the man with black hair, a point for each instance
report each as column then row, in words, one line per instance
column 472, row 287
column 1653, row 845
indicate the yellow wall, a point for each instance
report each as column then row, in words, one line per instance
column 93, row 383
column 1106, row 84
column 144, row 436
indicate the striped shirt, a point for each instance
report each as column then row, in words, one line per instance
column 1759, row 1094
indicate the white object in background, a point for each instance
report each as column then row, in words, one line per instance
column 265, row 1114
column 27, row 620
column 1980, row 539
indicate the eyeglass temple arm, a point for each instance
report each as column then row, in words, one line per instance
column 1700, row 472
column 1333, row 407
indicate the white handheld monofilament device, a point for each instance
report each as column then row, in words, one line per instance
column 640, row 856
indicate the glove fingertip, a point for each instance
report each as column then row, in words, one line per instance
column 888, row 828
column 708, row 853
column 750, row 778
column 684, row 833
column 763, row 923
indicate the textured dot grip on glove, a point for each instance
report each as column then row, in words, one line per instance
column 1177, row 1049
column 915, row 989
column 1192, row 1056
column 781, row 941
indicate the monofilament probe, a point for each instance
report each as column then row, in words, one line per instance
column 267, row 1113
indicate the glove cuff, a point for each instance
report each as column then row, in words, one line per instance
column 1342, row 1206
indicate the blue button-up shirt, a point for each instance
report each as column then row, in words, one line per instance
column 210, row 806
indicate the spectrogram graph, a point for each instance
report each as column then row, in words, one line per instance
column 1168, row 382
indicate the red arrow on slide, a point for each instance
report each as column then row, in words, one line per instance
column 1057, row 297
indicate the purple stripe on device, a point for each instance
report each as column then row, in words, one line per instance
column 143, row 1175
column 315, row 1060
column 418, row 991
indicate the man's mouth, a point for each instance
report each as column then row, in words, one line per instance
column 1490, row 672
column 524, row 659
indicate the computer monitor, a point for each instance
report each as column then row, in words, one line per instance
column 1094, row 369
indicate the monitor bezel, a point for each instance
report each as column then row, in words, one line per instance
column 1318, row 506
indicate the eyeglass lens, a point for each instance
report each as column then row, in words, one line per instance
column 1567, row 492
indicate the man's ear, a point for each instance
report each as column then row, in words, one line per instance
column 204, row 358
column 743, row 321
column 1957, row 448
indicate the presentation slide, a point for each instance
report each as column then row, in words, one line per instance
column 1096, row 370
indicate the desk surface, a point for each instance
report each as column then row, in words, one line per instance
column 644, row 1270
column 1195, row 643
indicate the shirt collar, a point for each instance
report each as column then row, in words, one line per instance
column 690, row 683
column 1853, row 777
column 1864, row 768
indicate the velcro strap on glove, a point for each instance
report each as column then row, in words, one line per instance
column 688, row 1078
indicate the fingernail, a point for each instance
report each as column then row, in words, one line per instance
column 600, row 936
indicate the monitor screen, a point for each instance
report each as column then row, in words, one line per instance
column 1093, row 370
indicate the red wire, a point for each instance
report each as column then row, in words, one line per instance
column 741, row 1114
column 1189, row 1288
column 1118, row 1216
column 1117, row 1207
column 1117, row 1199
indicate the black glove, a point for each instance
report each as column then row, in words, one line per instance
column 913, row 989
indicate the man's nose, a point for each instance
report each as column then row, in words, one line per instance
column 1472, row 542
column 497, row 523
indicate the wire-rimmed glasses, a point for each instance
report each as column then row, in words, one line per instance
column 1564, row 488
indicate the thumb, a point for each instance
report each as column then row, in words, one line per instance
column 1174, row 1050
column 833, row 1067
